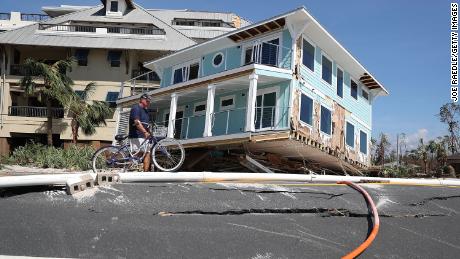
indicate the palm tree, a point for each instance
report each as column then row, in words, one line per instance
column 449, row 113
column 422, row 152
column 57, row 85
column 86, row 114
column 432, row 147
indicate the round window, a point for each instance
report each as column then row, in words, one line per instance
column 218, row 58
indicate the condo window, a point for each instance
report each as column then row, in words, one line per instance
column 81, row 55
column 308, row 58
column 327, row 70
column 114, row 58
column 365, row 94
column 326, row 120
column 350, row 135
column 194, row 69
column 354, row 90
column 306, row 109
column 111, row 99
column 248, row 55
column 339, row 83
column 178, row 78
column 363, row 142
column 114, row 6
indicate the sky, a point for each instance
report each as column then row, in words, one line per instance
column 405, row 44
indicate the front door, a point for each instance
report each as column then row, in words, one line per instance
column 265, row 110
column 177, row 123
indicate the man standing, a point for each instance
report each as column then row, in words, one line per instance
column 138, row 125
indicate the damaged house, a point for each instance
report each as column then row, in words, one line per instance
column 283, row 86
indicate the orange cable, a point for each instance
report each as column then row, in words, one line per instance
column 375, row 228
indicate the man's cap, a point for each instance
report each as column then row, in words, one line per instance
column 146, row 96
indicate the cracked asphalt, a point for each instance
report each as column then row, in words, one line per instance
column 230, row 220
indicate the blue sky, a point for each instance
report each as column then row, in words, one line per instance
column 405, row 44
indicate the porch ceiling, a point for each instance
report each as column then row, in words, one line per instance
column 199, row 93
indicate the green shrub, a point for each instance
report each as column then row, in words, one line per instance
column 38, row 155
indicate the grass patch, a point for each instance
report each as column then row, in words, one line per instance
column 38, row 155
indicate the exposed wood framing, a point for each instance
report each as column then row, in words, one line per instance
column 255, row 31
column 369, row 81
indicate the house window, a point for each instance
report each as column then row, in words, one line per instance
column 227, row 103
column 80, row 94
column 82, row 57
column 365, row 94
column 350, row 135
column 111, row 99
column 114, row 58
column 200, row 108
column 363, row 142
column 114, row 6
column 327, row 70
column 248, row 57
column 308, row 58
column 354, row 90
column 306, row 109
column 326, row 120
column 186, row 72
column 339, row 83
column 218, row 59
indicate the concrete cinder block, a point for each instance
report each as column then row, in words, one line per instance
column 79, row 184
column 106, row 178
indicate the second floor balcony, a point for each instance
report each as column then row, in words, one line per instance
column 114, row 30
column 37, row 112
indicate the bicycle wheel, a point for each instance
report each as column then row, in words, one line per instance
column 109, row 158
column 168, row 155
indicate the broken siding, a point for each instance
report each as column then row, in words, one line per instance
column 361, row 108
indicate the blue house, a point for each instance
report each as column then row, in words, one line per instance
column 283, row 85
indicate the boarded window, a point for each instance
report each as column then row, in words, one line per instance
column 354, row 90
column 363, row 142
column 350, row 137
column 326, row 120
column 308, row 58
column 306, row 109
column 339, row 83
column 327, row 70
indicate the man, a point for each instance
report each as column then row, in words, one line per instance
column 138, row 133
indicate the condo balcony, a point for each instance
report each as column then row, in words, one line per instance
column 38, row 112
column 114, row 30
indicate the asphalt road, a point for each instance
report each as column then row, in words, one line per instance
column 228, row 221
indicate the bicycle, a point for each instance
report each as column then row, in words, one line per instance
column 167, row 153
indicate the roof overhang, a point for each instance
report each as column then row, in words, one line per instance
column 300, row 16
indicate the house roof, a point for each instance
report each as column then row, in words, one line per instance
column 314, row 30
column 31, row 35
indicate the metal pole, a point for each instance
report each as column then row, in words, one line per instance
column 228, row 118
column 188, row 124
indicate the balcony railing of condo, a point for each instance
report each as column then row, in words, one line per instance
column 30, row 111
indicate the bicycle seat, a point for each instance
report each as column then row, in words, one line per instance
column 120, row 137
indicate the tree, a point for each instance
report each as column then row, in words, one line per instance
column 57, row 85
column 86, row 114
column 432, row 148
column 382, row 147
column 448, row 114
column 422, row 153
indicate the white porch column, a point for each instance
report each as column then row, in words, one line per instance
column 251, row 103
column 172, row 115
column 209, row 110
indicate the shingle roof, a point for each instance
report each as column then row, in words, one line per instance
column 30, row 35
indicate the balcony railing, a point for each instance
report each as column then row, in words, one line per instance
column 93, row 29
column 34, row 17
column 230, row 121
column 39, row 112
column 5, row 16
column 142, row 75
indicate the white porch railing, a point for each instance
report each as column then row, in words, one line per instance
column 230, row 121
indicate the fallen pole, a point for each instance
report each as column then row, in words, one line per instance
column 38, row 180
column 263, row 177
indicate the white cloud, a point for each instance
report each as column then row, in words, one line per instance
column 412, row 139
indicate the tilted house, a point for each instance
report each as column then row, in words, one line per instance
column 282, row 86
